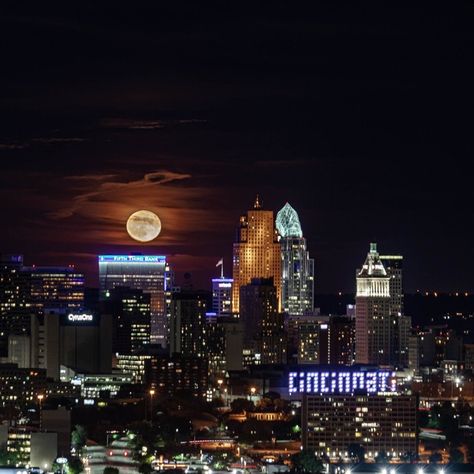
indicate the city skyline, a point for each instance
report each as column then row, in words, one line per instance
column 236, row 238
column 202, row 274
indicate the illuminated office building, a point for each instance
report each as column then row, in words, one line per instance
column 177, row 373
column 325, row 340
column 264, row 335
column 225, row 345
column 373, row 321
column 297, row 268
column 256, row 252
column 344, row 406
column 14, row 299
column 341, row 340
column 222, row 295
column 25, row 290
column 401, row 324
column 393, row 265
column 132, row 364
column 78, row 341
column 313, row 342
column 130, row 310
column 379, row 423
column 149, row 273
column 59, row 288
column 188, row 329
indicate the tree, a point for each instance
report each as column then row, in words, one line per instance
column 470, row 451
column 448, row 423
column 78, row 437
column 239, row 405
column 356, row 451
column 223, row 459
column 74, row 466
column 145, row 468
column 8, row 458
column 423, row 418
column 306, row 462
column 456, row 455
column 111, row 470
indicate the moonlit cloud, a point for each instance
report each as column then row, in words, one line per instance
column 103, row 204
column 132, row 124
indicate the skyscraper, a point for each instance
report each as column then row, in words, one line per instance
column 25, row 290
column 130, row 310
column 264, row 336
column 81, row 342
column 297, row 269
column 14, row 300
column 401, row 324
column 256, row 252
column 55, row 288
column 188, row 323
column 373, row 321
column 222, row 295
column 149, row 273
column 342, row 338
column 394, row 266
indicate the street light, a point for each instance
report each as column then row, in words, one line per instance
column 40, row 400
column 252, row 392
column 151, row 392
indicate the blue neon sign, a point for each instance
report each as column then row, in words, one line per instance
column 132, row 259
column 341, row 382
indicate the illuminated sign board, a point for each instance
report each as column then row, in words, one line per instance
column 343, row 382
column 74, row 318
column 132, row 259
column 225, row 285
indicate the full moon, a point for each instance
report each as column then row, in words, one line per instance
column 143, row 226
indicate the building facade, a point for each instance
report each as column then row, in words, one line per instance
column 81, row 342
column 263, row 326
column 169, row 375
column 222, row 295
column 14, row 300
column 256, row 252
column 341, row 340
column 188, row 328
column 355, row 405
column 297, row 269
column 379, row 423
column 373, row 322
column 149, row 273
column 130, row 310
column 58, row 288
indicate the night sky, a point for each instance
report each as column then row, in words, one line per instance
column 359, row 116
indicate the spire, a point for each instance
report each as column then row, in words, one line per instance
column 257, row 204
column 373, row 266
column 288, row 223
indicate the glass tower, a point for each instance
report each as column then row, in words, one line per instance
column 149, row 273
column 297, row 269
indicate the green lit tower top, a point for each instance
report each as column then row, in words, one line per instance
column 297, row 268
column 288, row 222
